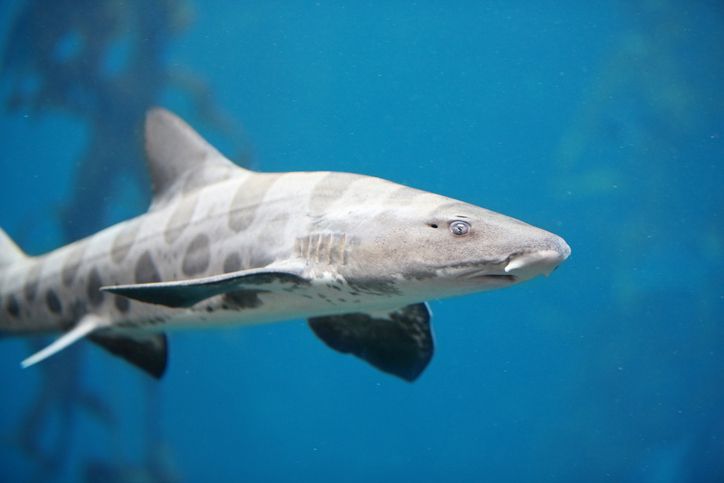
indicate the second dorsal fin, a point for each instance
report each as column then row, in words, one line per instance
column 178, row 157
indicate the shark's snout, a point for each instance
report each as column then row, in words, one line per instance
column 539, row 262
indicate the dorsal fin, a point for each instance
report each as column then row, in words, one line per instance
column 9, row 251
column 179, row 158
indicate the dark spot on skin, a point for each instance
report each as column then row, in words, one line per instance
column 180, row 218
column 93, row 290
column 72, row 263
column 232, row 263
column 243, row 299
column 146, row 271
column 124, row 241
column 31, row 288
column 122, row 303
column 247, row 199
column 53, row 302
column 31, row 283
column 12, row 307
column 198, row 256
column 77, row 310
column 330, row 189
column 209, row 308
column 259, row 260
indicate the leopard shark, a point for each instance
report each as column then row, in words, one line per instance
column 355, row 255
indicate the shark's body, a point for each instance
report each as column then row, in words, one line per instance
column 356, row 255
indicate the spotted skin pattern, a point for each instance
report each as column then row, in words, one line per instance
column 362, row 244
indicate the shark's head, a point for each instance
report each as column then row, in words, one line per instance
column 440, row 247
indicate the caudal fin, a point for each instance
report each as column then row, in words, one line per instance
column 9, row 251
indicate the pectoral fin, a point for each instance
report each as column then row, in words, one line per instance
column 147, row 351
column 398, row 342
column 85, row 326
column 185, row 293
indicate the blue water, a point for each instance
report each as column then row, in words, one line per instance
column 603, row 123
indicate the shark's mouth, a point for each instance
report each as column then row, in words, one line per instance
column 500, row 276
column 486, row 274
column 518, row 266
column 494, row 277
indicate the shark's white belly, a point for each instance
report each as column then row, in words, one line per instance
column 247, row 307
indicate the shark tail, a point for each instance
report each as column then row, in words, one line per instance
column 10, row 253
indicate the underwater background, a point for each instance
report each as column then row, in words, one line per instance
column 602, row 122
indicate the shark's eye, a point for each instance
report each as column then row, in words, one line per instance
column 459, row 227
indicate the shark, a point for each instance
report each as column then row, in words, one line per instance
column 357, row 256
